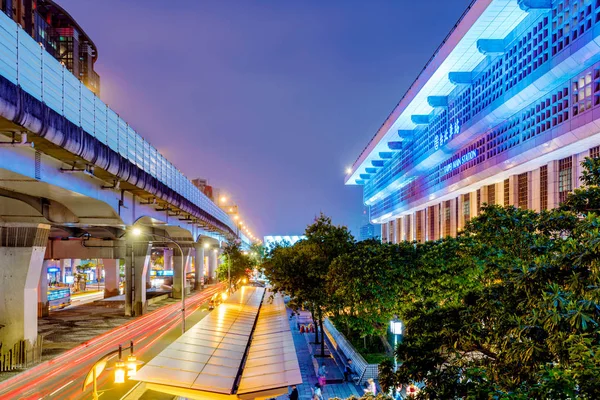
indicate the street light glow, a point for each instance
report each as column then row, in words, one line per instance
column 348, row 170
column 223, row 199
column 136, row 231
column 120, row 372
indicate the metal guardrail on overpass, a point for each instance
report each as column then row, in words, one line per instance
column 25, row 63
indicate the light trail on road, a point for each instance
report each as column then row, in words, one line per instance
column 52, row 378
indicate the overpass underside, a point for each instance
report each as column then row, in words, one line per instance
column 66, row 195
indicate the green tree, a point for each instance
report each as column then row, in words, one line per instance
column 235, row 263
column 301, row 270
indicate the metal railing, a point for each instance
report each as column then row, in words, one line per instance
column 25, row 63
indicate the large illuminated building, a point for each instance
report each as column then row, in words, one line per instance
column 59, row 34
column 503, row 113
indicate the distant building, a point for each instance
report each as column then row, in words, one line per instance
column 204, row 187
column 54, row 28
column 270, row 241
column 367, row 231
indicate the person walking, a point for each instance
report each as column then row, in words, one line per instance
column 294, row 394
column 348, row 370
column 317, row 393
column 370, row 387
column 322, row 373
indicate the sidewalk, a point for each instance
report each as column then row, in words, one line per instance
column 339, row 390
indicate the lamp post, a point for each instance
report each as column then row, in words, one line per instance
column 137, row 232
column 396, row 327
column 120, row 365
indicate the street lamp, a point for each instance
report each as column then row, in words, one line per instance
column 396, row 327
column 137, row 232
column 99, row 366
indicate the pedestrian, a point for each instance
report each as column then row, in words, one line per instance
column 322, row 375
column 294, row 394
column 370, row 387
column 317, row 393
column 348, row 370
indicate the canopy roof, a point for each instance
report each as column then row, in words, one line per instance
column 209, row 359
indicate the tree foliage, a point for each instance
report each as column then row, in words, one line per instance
column 509, row 309
column 234, row 262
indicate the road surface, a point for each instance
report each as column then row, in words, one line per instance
column 62, row 377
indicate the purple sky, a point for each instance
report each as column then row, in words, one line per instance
column 269, row 100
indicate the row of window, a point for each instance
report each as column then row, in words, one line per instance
column 445, row 211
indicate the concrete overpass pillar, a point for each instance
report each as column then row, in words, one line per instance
column 212, row 264
column 22, row 249
column 177, row 259
column 43, row 305
column 63, row 270
column 168, row 259
column 111, row 277
column 199, row 262
column 137, row 266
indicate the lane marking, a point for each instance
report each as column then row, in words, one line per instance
column 60, row 388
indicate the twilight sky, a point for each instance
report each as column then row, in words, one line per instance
column 270, row 100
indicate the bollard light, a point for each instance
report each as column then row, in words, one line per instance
column 120, row 372
column 131, row 366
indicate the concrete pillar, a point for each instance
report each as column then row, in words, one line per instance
column 177, row 260
column 138, row 264
column 473, row 203
column 212, row 264
column 552, row 184
column 168, row 259
column 43, row 305
column 199, row 262
column 63, row 270
column 111, row 277
column 534, row 192
column 453, row 216
column 513, row 182
column 22, row 249
column 436, row 222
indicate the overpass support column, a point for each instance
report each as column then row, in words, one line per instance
column 22, row 249
column 199, row 262
column 177, row 259
column 168, row 260
column 138, row 265
column 212, row 264
column 43, row 305
column 111, row 277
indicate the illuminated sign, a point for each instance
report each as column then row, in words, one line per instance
column 453, row 130
column 459, row 161
column 164, row 273
column 53, row 270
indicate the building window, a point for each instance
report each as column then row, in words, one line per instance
column 595, row 152
column 544, row 187
column 392, row 231
column 491, row 195
column 447, row 212
column 408, row 228
column 522, row 190
column 565, row 176
column 419, row 226
column 384, row 233
column 506, row 192
column 478, row 201
column 467, row 207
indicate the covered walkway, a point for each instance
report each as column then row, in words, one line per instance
column 243, row 349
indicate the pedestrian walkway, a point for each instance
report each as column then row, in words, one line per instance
column 334, row 390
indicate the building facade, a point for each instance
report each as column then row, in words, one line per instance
column 59, row 34
column 503, row 113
